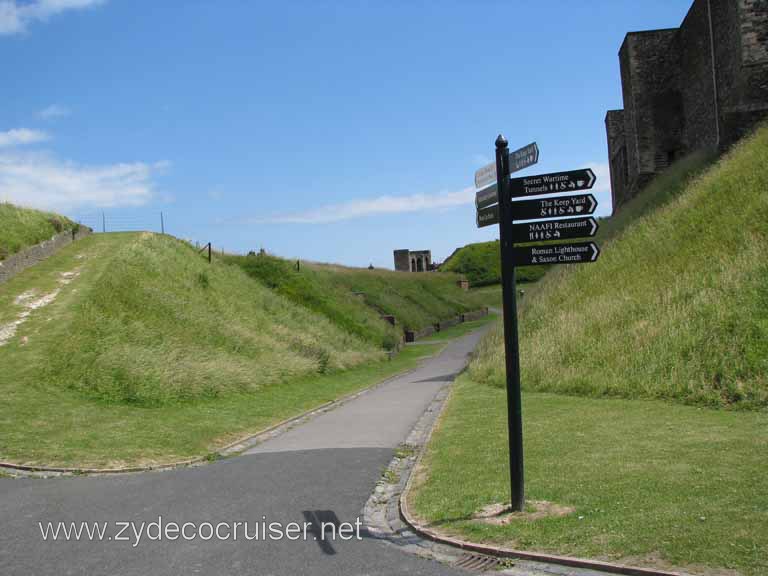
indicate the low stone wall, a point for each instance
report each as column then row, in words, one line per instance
column 443, row 324
column 413, row 335
column 34, row 254
column 469, row 316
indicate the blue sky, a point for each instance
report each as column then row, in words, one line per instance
column 329, row 131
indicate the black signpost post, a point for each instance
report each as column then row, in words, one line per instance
column 495, row 205
column 511, row 347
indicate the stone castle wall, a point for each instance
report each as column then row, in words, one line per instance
column 702, row 85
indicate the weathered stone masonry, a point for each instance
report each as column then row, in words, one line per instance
column 34, row 254
column 703, row 85
column 413, row 261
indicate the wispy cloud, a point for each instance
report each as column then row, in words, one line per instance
column 40, row 180
column 401, row 204
column 21, row 136
column 370, row 207
column 15, row 16
column 54, row 111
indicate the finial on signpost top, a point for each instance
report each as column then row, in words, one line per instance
column 501, row 142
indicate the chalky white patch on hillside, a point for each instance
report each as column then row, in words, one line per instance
column 30, row 301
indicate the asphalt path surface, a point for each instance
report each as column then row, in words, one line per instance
column 321, row 471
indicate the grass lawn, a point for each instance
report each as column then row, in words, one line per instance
column 652, row 483
column 67, row 429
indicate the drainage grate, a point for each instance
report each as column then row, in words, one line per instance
column 478, row 562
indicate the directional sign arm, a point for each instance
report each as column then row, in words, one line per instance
column 553, row 183
column 546, row 254
column 554, row 207
column 543, row 231
column 519, row 159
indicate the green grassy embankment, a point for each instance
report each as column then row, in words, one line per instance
column 355, row 298
column 675, row 312
column 481, row 265
column 676, row 307
column 133, row 349
column 23, row 227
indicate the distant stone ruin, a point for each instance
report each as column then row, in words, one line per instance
column 703, row 85
column 413, row 261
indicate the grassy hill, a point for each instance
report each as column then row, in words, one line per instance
column 480, row 263
column 677, row 305
column 355, row 298
column 22, row 227
column 131, row 348
column 152, row 322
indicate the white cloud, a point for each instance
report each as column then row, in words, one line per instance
column 380, row 205
column 402, row 204
column 40, row 180
column 54, row 111
column 21, row 136
column 16, row 16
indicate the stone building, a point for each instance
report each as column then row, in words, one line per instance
column 413, row 261
column 702, row 85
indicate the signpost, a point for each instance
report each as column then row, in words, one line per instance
column 555, row 183
column 575, row 253
column 495, row 205
column 551, row 229
column 487, row 197
column 576, row 205
column 487, row 216
column 519, row 159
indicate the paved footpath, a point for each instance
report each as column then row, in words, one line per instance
column 324, row 468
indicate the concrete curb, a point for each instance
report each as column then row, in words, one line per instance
column 434, row 536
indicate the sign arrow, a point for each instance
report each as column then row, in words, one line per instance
column 553, row 230
column 577, row 253
column 554, row 183
column 488, row 216
column 576, row 205
column 518, row 159
column 488, row 196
